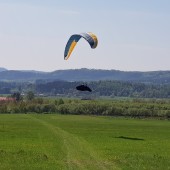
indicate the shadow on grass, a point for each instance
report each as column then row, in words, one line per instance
column 129, row 138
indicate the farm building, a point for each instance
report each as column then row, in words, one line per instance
column 8, row 99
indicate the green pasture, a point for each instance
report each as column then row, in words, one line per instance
column 53, row 141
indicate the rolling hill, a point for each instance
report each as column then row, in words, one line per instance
column 160, row 77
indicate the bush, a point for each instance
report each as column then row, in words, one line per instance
column 168, row 114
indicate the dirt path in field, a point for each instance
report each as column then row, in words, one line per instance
column 79, row 153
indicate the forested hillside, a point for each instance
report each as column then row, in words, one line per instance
column 106, row 88
column 99, row 88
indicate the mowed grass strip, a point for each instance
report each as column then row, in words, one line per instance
column 32, row 141
column 130, row 143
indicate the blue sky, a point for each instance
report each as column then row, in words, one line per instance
column 133, row 35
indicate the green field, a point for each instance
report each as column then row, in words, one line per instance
column 41, row 141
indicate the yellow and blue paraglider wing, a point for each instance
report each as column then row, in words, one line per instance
column 89, row 37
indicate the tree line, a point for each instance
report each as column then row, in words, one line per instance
column 132, row 108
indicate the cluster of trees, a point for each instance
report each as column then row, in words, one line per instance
column 132, row 108
column 12, row 87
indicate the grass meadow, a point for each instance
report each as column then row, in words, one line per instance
column 53, row 141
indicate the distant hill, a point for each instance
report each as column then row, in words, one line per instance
column 160, row 77
column 2, row 69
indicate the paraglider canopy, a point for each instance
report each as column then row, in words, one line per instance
column 83, row 88
column 89, row 37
